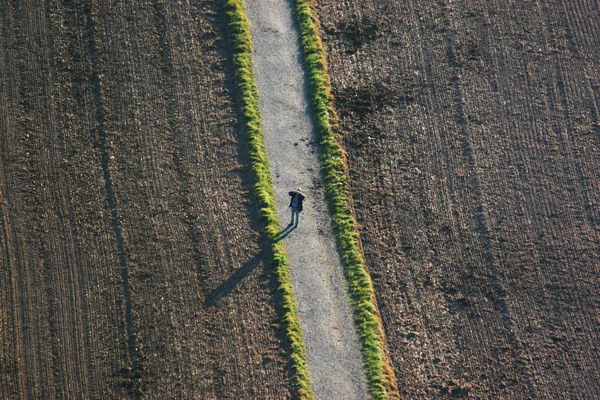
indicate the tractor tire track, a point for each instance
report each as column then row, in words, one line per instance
column 132, row 345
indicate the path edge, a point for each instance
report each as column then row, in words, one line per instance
column 381, row 380
column 241, row 38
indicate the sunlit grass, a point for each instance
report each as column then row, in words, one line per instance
column 334, row 171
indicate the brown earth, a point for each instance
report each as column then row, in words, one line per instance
column 130, row 258
column 473, row 133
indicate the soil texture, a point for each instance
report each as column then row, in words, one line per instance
column 131, row 264
column 472, row 131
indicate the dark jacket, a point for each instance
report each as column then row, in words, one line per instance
column 301, row 197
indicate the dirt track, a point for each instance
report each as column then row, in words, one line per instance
column 332, row 345
column 473, row 133
column 130, row 259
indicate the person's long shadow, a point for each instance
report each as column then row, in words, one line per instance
column 284, row 232
column 229, row 285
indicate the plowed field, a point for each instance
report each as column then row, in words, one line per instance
column 130, row 258
column 473, row 133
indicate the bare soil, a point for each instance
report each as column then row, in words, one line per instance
column 472, row 130
column 130, row 258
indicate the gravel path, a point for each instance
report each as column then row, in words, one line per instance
column 332, row 345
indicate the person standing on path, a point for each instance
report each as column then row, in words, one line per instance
column 296, row 204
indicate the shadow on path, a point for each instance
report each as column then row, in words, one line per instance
column 229, row 285
column 284, row 232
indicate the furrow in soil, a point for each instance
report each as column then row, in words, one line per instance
column 471, row 131
column 131, row 261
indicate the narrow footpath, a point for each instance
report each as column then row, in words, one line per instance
column 332, row 345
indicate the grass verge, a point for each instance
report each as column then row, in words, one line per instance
column 334, row 170
column 239, row 30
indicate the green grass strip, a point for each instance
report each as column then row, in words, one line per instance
column 241, row 38
column 336, row 188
